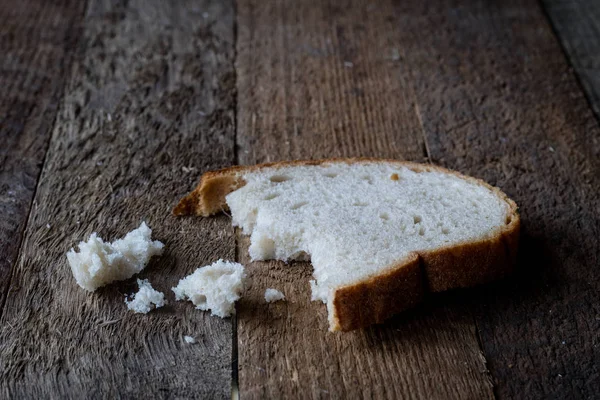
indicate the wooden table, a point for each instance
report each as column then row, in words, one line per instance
column 110, row 111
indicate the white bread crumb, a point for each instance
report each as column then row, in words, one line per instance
column 273, row 295
column 215, row 287
column 189, row 339
column 146, row 298
column 98, row 263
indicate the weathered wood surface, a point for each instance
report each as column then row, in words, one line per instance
column 320, row 80
column 150, row 104
column 498, row 100
column 577, row 25
column 148, row 107
column 37, row 40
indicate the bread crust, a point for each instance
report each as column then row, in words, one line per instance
column 403, row 285
column 375, row 299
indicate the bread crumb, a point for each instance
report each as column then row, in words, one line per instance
column 146, row 298
column 273, row 295
column 98, row 263
column 189, row 339
column 215, row 287
column 394, row 177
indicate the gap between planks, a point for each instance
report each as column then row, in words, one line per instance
column 235, row 394
column 164, row 71
column 576, row 25
column 314, row 83
column 35, row 124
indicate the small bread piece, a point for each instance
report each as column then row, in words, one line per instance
column 215, row 287
column 189, row 339
column 379, row 233
column 98, row 263
column 146, row 298
column 273, row 295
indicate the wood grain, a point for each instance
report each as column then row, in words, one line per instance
column 149, row 106
column 498, row 100
column 37, row 41
column 577, row 25
column 320, row 80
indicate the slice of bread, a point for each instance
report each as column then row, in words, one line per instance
column 379, row 233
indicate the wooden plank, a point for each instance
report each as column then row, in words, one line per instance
column 577, row 25
column 148, row 107
column 321, row 80
column 498, row 100
column 37, row 40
